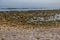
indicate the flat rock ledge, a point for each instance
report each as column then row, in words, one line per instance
column 11, row 33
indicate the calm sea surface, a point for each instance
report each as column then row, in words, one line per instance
column 24, row 9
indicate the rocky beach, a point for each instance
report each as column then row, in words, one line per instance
column 30, row 25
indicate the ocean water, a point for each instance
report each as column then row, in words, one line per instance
column 25, row 5
column 25, row 9
column 19, row 9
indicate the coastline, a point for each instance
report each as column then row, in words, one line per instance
column 14, row 26
column 14, row 18
column 13, row 33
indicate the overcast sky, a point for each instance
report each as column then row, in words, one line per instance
column 30, row 3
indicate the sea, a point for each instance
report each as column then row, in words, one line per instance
column 26, row 9
column 26, row 5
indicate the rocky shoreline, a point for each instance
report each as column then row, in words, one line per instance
column 37, row 17
column 15, row 33
column 15, row 25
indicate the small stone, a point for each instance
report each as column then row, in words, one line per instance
column 2, row 39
